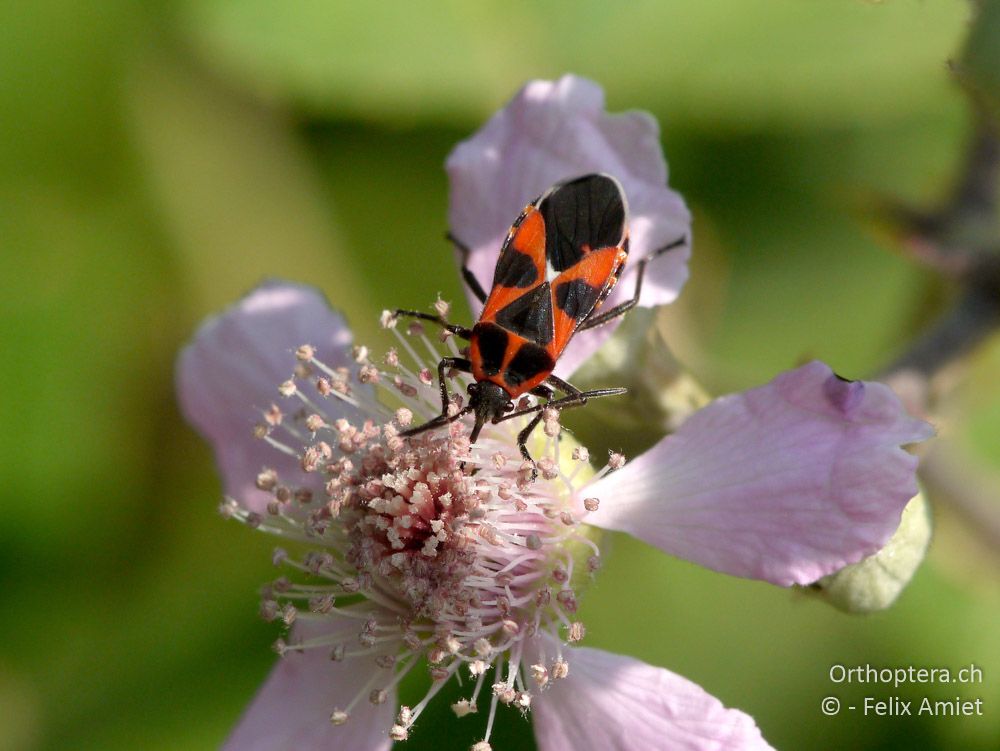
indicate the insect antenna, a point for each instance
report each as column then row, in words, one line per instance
column 436, row 422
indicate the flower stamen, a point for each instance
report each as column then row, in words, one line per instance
column 428, row 547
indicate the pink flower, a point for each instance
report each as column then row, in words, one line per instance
column 431, row 551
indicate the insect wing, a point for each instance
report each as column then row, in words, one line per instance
column 521, row 266
column 560, row 260
column 578, row 291
column 582, row 216
column 586, row 243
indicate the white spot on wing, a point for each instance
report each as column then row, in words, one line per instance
column 550, row 272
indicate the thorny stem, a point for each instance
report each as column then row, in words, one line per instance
column 973, row 317
column 976, row 190
column 962, row 241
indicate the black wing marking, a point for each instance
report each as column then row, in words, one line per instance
column 580, row 215
column 530, row 315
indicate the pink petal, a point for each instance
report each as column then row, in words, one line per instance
column 291, row 711
column 787, row 482
column 232, row 369
column 549, row 131
column 610, row 702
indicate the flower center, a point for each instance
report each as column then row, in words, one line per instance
column 428, row 547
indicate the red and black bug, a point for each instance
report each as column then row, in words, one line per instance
column 560, row 261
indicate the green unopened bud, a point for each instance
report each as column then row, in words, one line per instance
column 874, row 583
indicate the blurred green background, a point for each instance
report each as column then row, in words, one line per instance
column 158, row 159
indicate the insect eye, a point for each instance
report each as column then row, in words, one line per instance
column 509, row 406
column 471, row 389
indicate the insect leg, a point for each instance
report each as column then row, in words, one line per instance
column 467, row 275
column 565, row 386
column 574, row 398
column 622, row 308
column 460, row 364
column 454, row 328
column 541, row 390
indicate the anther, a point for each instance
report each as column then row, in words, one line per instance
column 322, row 604
column 559, row 670
column 267, row 479
column 567, row 599
column 411, row 640
column 548, row 468
column 406, row 389
column 398, row 733
column 269, row 610
column 506, row 694
column 540, row 675
column 477, row 668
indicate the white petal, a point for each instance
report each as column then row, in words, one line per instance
column 787, row 482
column 291, row 711
column 232, row 370
column 610, row 702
